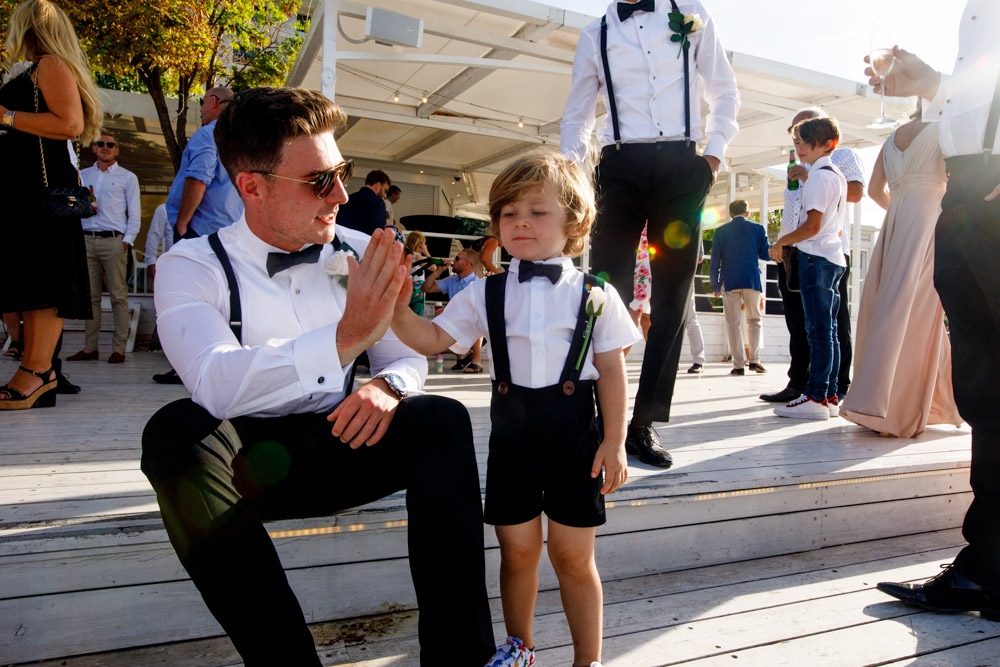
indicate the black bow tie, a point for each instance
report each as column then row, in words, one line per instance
column 279, row 261
column 626, row 9
column 528, row 270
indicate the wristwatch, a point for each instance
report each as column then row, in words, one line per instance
column 7, row 120
column 396, row 383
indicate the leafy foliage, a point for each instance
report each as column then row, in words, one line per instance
column 180, row 48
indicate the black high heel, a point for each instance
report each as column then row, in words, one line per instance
column 43, row 397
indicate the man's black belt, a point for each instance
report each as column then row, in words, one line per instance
column 101, row 234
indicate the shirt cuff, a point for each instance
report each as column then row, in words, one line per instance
column 716, row 147
column 316, row 361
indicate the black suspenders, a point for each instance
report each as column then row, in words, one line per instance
column 495, row 299
column 235, row 310
column 613, row 107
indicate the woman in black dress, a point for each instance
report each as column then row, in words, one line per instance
column 43, row 258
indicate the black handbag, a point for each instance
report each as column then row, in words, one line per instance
column 790, row 260
column 67, row 201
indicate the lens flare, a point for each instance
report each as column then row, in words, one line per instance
column 711, row 217
column 677, row 235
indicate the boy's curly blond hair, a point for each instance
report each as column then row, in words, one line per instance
column 572, row 187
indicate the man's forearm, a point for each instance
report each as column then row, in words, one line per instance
column 191, row 196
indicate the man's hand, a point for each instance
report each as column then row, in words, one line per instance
column 993, row 195
column 363, row 417
column 151, row 271
column 777, row 253
column 611, row 457
column 372, row 289
column 181, row 227
column 713, row 163
column 125, row 247
column 909, row 76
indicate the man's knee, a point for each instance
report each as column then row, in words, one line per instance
column 170, row 435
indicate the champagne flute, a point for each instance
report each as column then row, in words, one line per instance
column 881, row 60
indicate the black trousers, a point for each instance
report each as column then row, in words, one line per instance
column 217, row 481
column 665, row 184
column 967, row 277
column 798, row 340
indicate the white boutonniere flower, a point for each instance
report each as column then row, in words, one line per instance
column 595, row 302
column 682, row 26
column 336, row 265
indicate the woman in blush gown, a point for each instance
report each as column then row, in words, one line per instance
column 902, row 358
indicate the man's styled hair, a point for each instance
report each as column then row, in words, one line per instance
column 252, row 130
column 377, row 177
column 393, row 189
column 573, row 190
column 738, row 207
column 817, row 131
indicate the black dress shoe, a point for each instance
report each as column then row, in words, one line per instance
column 641, row 441
column 786, row 395
column 948, row 592
column 64, row 386
column 737, row 371
column 695, row 368
column 170, row 377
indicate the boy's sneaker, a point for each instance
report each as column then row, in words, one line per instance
column 512, row 653
column 833, row 405
column 804, row 407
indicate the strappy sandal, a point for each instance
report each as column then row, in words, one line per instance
column 473, row 368
column 43, row 397
column 462, row 362
column 14, row 350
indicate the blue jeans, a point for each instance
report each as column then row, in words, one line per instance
column 819, row 282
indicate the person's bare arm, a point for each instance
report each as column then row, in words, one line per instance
column 417, row 332
column 612, row 392
column 191, row 196
column 855, row 192
column 64, row 119
column 878, row 186
column 807, row 230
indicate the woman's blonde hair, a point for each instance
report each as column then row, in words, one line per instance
column 413, row 241
column 572, row 187
column 41, row 28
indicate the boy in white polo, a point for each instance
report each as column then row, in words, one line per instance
column 820, row 265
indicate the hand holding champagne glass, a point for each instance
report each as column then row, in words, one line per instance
column 881, row 59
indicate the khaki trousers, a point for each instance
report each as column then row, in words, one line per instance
column 106, row 258
column 731, row 301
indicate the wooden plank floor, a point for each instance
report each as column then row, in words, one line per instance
column 71, row 475
column 812, row 608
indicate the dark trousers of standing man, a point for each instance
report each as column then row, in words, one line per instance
column 217, row 481
column 798, row 339
column 664, row 183
column 967, row 277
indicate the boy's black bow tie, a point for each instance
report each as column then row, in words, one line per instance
column 279, row 261
column 626, row 9
column 528, row 270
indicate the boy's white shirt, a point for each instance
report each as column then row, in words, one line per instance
column 825, row 191
column 540, row 318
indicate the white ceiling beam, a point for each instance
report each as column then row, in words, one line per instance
column 482, row 164
column 437, row 59
column 419, row 147
column 526, row 10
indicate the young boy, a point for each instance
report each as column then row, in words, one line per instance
column 553, row 344
column 821, row 264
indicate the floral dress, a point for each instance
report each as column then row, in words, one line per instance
column 642, row 284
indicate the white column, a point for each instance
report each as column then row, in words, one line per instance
column 856, row 263
column 331, row 9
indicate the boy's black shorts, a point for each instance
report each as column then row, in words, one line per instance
column 542, row 465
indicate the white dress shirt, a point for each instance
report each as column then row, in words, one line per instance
column 648, row 81
column 160, row 229
column 118, row 207
column 288, row 361
column 849, row 163
column 825, row 191
column 963, row 100
column 540, row 318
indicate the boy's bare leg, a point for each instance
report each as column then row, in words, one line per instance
column 520, row 551
column 571, row 551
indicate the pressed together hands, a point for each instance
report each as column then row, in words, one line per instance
column 378, row 295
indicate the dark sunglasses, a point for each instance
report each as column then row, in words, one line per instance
column 102, row 144
column 325, row 181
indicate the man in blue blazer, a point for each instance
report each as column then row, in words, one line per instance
column 735, row 276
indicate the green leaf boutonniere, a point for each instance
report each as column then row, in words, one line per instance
column 684, row 25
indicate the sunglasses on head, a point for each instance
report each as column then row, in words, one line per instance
column 325, row 181
column 102, row 144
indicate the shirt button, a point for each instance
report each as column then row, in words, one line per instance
column 321, row 379
column 298, row 291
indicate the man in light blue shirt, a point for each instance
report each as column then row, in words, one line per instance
column 466, row 269
column 202, row 200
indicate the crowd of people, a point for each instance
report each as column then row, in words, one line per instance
column 277, row 282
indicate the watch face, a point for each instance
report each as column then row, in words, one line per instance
column 396, row 383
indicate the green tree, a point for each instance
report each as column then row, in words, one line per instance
column 177, row 48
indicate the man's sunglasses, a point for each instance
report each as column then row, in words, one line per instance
column 201, row 100
column 325, row 181
column 102, row 144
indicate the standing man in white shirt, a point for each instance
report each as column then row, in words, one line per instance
column 263, row 321
column 644, row 61
column 967, row 277
column 109, row 236
column 848, row 162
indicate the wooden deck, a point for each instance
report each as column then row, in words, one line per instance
column 736, row 552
